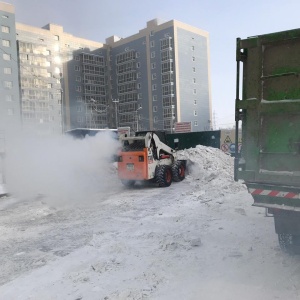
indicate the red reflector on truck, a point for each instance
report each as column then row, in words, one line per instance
column 273, row 193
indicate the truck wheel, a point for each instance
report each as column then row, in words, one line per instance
column 128, row 183
column 289, row 243
column 178, row 171
column 163, row 176
column 285, row 241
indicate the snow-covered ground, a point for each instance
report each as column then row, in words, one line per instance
column 198, row 239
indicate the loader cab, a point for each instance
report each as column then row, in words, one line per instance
column 160, row 133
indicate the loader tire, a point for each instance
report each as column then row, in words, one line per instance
column 163, row 176
column 178, row 171
column 128, row 183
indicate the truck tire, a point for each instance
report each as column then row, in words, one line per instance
column 285, row 241
column 163, row 176
column 178, row 171
column 128, row 183
column 289, row 243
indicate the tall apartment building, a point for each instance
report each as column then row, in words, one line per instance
column 53, row 81
column 10, row 106
column 57, row 74
column 161, row 76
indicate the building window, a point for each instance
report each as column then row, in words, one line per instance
column 152, row 54
column 154, row 97
column 5, row 29
column 153, row 65
column 155, row 119
column 194, row 69
column 193, row 58
column 9, row 97
column 80, row 119
column 56, row 38
column 195, row 113
column 166, row 43
column 153, row 87
column 76, row 57
column 49, row 85
column 151, row 33
column 195, row 91
column 77, row 68
column 137, row 54
column 138, row 64
column 194, row 80
column 152, row 44
column 138, row 86
column 193, row 48
column 167, row 67
column 78, row 99
column 195, row 102
column 154, row 108
column 10, row 112
column 7, row 84
column 153, row 76
column 6, row 56
column 195, row 123
column 7, row 70
column 139, row 95
column 79, row 109
column 78, row 88
column 138, row 75
column 5, row 43
column 78, row 78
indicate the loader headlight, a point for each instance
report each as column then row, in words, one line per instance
column 141, row 158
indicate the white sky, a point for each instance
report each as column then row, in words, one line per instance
column 224, row 20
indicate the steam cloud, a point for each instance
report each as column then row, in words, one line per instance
column 61, row 168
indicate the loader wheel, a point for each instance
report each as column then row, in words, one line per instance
column 163, row 176
column 178, row 171
column 128, row 183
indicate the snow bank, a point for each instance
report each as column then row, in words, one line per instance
column 210, row 170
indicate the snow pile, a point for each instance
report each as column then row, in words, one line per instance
column 210, row 171
column 197, row 239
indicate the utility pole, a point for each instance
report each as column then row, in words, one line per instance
column 116, row 101
column 137, row 119
column 172, row 117
column 62, row 103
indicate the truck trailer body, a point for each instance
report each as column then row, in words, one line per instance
column 268, row 109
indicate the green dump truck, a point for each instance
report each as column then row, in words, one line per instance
column 267, row 108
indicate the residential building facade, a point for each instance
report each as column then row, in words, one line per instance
column 58, row 79
column 10, row 106
column 161, row 76
column 53, row 81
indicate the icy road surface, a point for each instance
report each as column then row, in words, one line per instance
column 197, row 239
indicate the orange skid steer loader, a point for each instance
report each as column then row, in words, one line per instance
column 144, row 157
